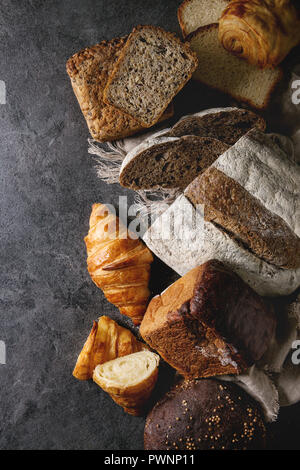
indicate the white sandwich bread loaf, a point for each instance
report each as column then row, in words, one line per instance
column 195, row 13
column 221, row 70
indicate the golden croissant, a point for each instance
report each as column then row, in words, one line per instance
column 118, row 263
column 261, row 31
column 129, row 380
column 106, row 341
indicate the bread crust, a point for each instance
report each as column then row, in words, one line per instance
column 205, row 323
column 89, row 70
column 172, row 36
column 251, row 103
column 231, row 207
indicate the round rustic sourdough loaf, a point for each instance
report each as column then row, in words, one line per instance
column 270, row 179
column 203, row 415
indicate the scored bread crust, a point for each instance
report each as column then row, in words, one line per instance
column 180, row 15
column 122, row 56
column 89, row 70
column 182, row 160
column 201, row 240
column 210, row 27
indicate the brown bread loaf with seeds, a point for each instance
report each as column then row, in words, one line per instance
column 205, row 415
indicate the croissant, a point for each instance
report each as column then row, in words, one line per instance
column 106, row 341
column 118, row 263
column 261, row 31
column 129, row 380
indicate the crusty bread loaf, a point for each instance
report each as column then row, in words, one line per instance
column 191, row 241
column 195, row 13
column 89, row 70
column 173, row 157
column 221, row 70
column 169, row 162
column 204, row 415
column 230, row 206
column 253, row 193
column 153, row 66
column 225, row 124
column 208, row 323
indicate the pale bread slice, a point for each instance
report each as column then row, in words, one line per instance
column 192, row 14
column 223, row 71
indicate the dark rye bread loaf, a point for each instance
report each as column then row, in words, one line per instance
column 89, row 71
column 209, row 323
column 153, row 66
column 231, row 207
column 163, row 160
column 205, row 415
column 226, row 126
column 168, row 162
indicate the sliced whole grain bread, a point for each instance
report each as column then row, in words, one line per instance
column 89, row 71
column 169, row 162
column 223, row 71
column 192, row 14
column 153, row 66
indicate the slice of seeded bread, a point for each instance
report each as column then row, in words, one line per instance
column 192, row 14
column 89, row 71
column 169, row 162
column 221, row 70
column 153, row 66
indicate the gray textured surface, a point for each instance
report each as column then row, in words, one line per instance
column 47, row 187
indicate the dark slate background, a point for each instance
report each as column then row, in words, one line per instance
column 48, row 184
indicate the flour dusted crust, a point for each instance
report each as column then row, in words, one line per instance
column 194, row 241
column 258, row 164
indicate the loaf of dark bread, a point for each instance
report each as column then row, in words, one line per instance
column 228, row 126
column 252, row 192
column 169, row 162
column 230, row 206
column 204, row 415
column 209, row 323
